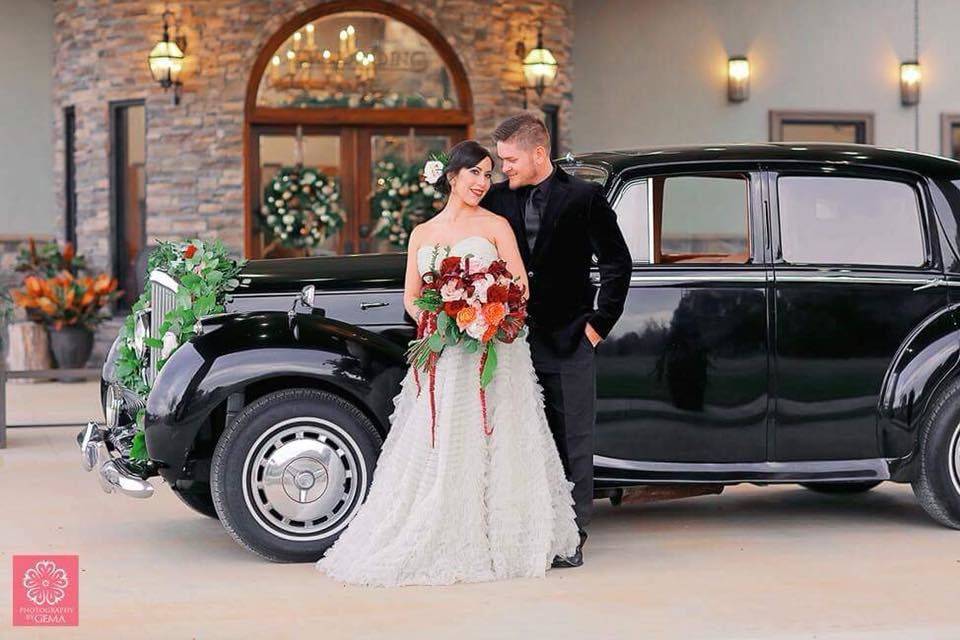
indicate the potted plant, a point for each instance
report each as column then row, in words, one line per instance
column 70, row 307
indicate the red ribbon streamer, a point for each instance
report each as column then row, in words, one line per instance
column 483, row 396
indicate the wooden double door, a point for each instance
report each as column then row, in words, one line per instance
column 349, row 153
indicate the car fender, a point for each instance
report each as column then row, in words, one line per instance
column 247, row 348
column 927, row 359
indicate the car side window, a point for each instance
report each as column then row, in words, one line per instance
column 849, row 221
column 633, row 216
column 686, row 218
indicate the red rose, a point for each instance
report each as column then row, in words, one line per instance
column 452, row 308
column 189, row 251
column 497, row 293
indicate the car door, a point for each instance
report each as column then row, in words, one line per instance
column 683, row 377
column 855, row 271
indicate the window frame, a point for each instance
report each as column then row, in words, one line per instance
column 772, row 175
column 863, row 120
column 947, row 122
column 757, row 247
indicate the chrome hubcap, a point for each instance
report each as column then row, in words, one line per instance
column 303, row 478
column 955, row 459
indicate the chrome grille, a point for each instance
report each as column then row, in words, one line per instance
column 163, row 293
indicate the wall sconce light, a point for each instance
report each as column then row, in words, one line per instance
column 166, row 59
column 910, row 83
column 539, row 66
column 738, row 79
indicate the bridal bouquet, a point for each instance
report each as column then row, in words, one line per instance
column 471, row 303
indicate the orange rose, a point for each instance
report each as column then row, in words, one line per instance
column 494, row 312
column 465, row 316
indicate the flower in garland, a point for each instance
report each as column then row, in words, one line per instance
column 403, row 198
column 302, row 207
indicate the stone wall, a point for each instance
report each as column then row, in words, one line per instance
column 194, row 161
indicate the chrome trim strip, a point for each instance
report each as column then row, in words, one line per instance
column 877, row 465
column 791, row 277
column 712, row 277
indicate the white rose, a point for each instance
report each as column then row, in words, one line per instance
column 477, row 328
column 169, row 345
column 432, row 172
column 392, row 192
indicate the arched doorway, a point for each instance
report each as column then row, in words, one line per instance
column 349, row 99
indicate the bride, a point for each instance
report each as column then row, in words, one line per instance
column 473, row 507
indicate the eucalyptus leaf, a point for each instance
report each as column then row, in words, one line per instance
column 490, row 365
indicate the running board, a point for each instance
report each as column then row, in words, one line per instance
column 617, row 472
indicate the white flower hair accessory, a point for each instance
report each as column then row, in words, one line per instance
column 432, row 171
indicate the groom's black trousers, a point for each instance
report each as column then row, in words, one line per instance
column 569, row 392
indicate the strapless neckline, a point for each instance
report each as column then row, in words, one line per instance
column 431, row 246
column 429, row 255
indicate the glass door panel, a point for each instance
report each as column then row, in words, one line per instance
column 278, row 226
column 398, row 200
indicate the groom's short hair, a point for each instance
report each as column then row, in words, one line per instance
column 524, row 128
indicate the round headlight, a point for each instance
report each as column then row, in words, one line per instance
column 113, row 405
column 141, row 329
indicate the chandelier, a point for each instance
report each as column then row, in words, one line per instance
column 305, row 66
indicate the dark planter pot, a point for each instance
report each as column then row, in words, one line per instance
column 71, row 346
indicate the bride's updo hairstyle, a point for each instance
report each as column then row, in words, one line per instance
column 463, row 155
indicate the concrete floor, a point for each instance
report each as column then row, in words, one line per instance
column 751, row 563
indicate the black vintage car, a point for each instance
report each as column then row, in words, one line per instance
column 792, row 319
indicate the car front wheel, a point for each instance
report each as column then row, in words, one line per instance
column 937, row 485
column 291, row 470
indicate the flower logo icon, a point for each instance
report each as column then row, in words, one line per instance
column 45, row 583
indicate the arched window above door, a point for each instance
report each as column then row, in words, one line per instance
column 357, row 59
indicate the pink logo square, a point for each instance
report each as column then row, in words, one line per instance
column 45, row 591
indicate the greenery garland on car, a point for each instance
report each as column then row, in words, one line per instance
column 402, row 200
column 301, row 207
column 206, row 273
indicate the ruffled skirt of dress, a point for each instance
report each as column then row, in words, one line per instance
column 474, row 507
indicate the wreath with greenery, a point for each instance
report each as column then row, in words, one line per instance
column 301, row 207
column 402, row 199
column 206, row 273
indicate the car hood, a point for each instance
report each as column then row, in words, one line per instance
column 326, row 273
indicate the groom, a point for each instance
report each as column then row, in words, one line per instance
column 560, row 221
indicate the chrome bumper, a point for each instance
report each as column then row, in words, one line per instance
column 113, row 477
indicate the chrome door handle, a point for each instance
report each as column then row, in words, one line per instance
column 934, row 282
column 372, row 305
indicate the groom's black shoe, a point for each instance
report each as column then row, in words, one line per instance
column 561, row 562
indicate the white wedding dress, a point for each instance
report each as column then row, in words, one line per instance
column 474, row 507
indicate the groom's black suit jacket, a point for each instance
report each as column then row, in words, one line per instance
column 576, row 223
